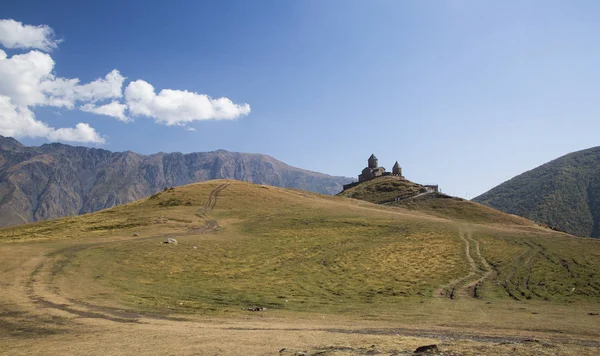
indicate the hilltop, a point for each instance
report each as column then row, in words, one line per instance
column 56, row 180
column 400, row 192
column 383, row 189
column 563, row 194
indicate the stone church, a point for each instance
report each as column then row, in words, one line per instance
column 373, row 171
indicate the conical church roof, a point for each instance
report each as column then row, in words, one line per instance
column 372, row 157
column 396, row 165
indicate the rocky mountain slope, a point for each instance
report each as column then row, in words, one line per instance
column 56, row 180
column 563, row 194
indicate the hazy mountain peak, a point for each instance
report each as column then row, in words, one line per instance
column 9, row 143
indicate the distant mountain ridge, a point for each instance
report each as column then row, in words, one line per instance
column 56, row 180
column 563, row 194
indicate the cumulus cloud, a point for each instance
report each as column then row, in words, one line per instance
column 22, row 75
column 66, row 92
column 178, row 107
column 14, row 34
column 113, row 109
column 81, row 133
column 28, row 80
column 20, row 122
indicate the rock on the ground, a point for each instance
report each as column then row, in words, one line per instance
column 430, row 349
column 171, row 240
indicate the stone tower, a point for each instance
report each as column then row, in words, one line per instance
column 396, row 170
column 373, row 162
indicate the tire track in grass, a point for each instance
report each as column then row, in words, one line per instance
column 536, row 251
column 209, row 205
column 471, row 288
column 38, row 291
column 522, row 260
column 449, row 290
column 211, row 201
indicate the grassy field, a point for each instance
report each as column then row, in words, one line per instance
column 431, row 269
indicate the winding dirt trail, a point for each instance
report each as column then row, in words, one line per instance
column 209, row 205
column 467, row 286
column 471, row 288
column 450, row 290
column 211, row 201
column 39, row 286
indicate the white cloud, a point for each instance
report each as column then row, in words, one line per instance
column 114, row 109
column 21, row 77
column 178, row 107
column 14, row 34
column 81, row 133
column 20, row 122
column 66, row 92
column 28, row 80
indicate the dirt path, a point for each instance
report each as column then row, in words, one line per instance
column 471, row 288
column 39, row 284
column 209, row 205
column 467, row 286
column 450, row 290
column 390, row 201
column 211, row 201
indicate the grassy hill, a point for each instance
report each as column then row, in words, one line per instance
column 338, row 276
column 412, row 197
column 243, row 245
column 563, row 194
column 382, row 189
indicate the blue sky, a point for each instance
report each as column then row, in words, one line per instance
column 465, row 94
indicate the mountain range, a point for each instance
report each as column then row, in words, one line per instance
column 563, row 194
column 56, row 180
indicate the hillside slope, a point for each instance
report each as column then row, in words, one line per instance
column 563, row 194
column 317, row 263
column 56, row 180
column 414, row 197
column 242, row 244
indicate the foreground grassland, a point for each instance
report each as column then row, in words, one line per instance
column 336, row 275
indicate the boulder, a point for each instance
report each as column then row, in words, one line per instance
column 429, row 349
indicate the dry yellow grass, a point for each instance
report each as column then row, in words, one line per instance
column 337, row 275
